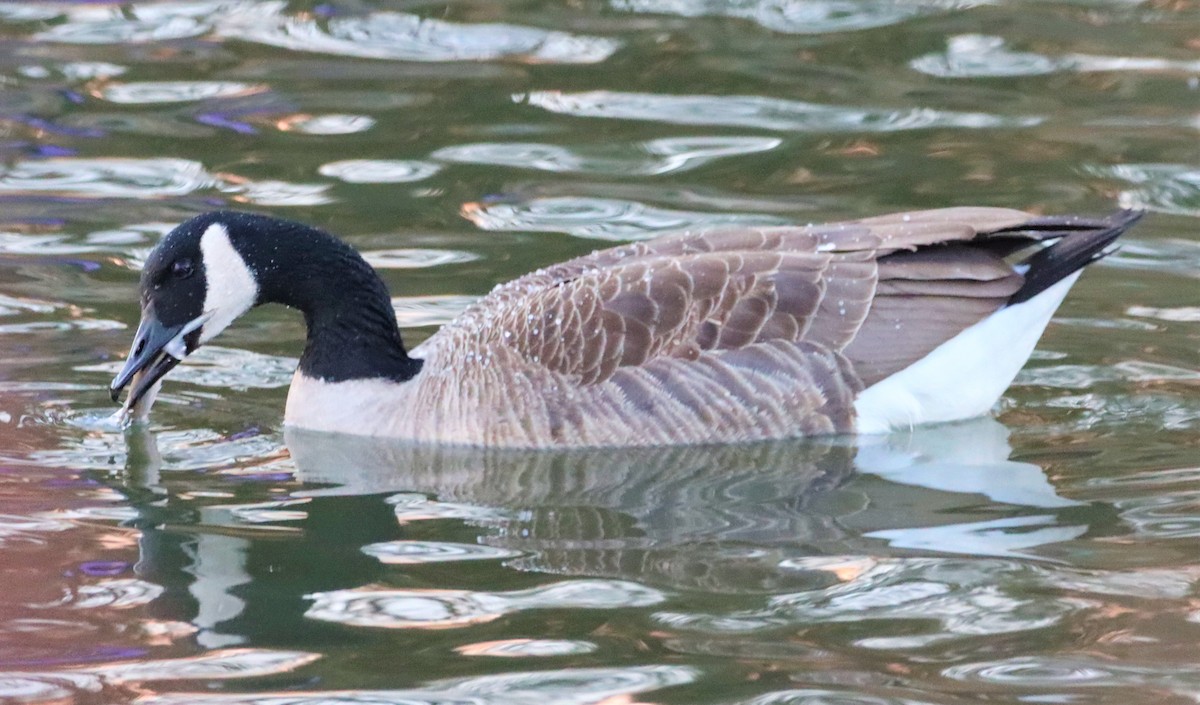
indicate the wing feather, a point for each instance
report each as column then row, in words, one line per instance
column 842, row 288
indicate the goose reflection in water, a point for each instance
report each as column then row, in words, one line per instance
column 748, row 519
column 718, row 517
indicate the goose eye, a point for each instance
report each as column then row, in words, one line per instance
column 182, row 269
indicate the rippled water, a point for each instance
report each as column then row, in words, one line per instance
column 1045, row 556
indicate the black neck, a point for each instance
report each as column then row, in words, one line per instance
column 352, row 332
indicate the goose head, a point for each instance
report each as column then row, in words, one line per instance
column 211, row 269
column 193, row 285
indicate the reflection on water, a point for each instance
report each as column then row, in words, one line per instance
column 379, row 35
column 404, row 37
column 419, row 311
column 63, row 686
column 570, row 686
column 572, row 512
column 443, row 609
column 786, row 524
column 173, row 91
column 379, row 171
column 798, row 16
column 649, row 158
column 599, row 218
column 227, row 368
column 757, row 111
column 796, row 535
column 1170, row 188
column 106, row 178
column 148, row 178
column 1048, row 558
column 416, row 552
column 521, row 648
column 977, row 56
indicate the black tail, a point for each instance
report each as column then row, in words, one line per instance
column 1081, row 241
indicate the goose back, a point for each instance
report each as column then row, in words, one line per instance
column 719, row 335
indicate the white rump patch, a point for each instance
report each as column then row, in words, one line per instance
column 963, row 377
column 230, row 286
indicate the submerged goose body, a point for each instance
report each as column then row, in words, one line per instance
column 716, row 336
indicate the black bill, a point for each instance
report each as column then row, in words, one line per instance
column 156, row 350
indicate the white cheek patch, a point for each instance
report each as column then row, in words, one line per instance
column 230, row 286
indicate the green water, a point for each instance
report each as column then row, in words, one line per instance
column 1048, row 555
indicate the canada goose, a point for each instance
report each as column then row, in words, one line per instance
column 712, row 336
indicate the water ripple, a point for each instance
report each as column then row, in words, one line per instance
column 417, row 507
column 22, row 12
column 63, row 686
column 420, row 311
column 1069, row 671
column 801, row 16
column 269, row 512
column 74, row 70
column 1034, row 671
column 147, row 178
column 217, row 366
column 88, row 70
column 136, row 23
column 443, row 609
column 35, row 327
column 13, row 305
column 1167, row 188
column 599, row 218
column 45, row 688
column 25, row 529
column 980, row 56
column 1087, row 376
column 163, row 124
column 332, row 124
column 1174, row 515
column 145, row 92
column 278, row 193
column 415, row 258
column 419, row 552
column 757, row 111
column 130, row 234
column 563, row 686
column 379, row 171
column 655, row 157
column 947, row 598
column 106, row 178
column 1175, row 314
column 984, row 56
column 217, row 665
column 525, row 648
column 819, row 696
column 194, row 449
column 1174, row 256
column 1162, row 412
column 110, row 594
column 405, row 37
column 1011, row 536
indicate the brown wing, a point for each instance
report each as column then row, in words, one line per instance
column 713, row 291
column 844, row 287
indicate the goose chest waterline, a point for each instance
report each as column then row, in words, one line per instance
column 715, row 336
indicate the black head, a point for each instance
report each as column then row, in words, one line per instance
column 213, row 268
column 194, row 284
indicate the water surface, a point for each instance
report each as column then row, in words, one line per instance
column 1047, row 555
